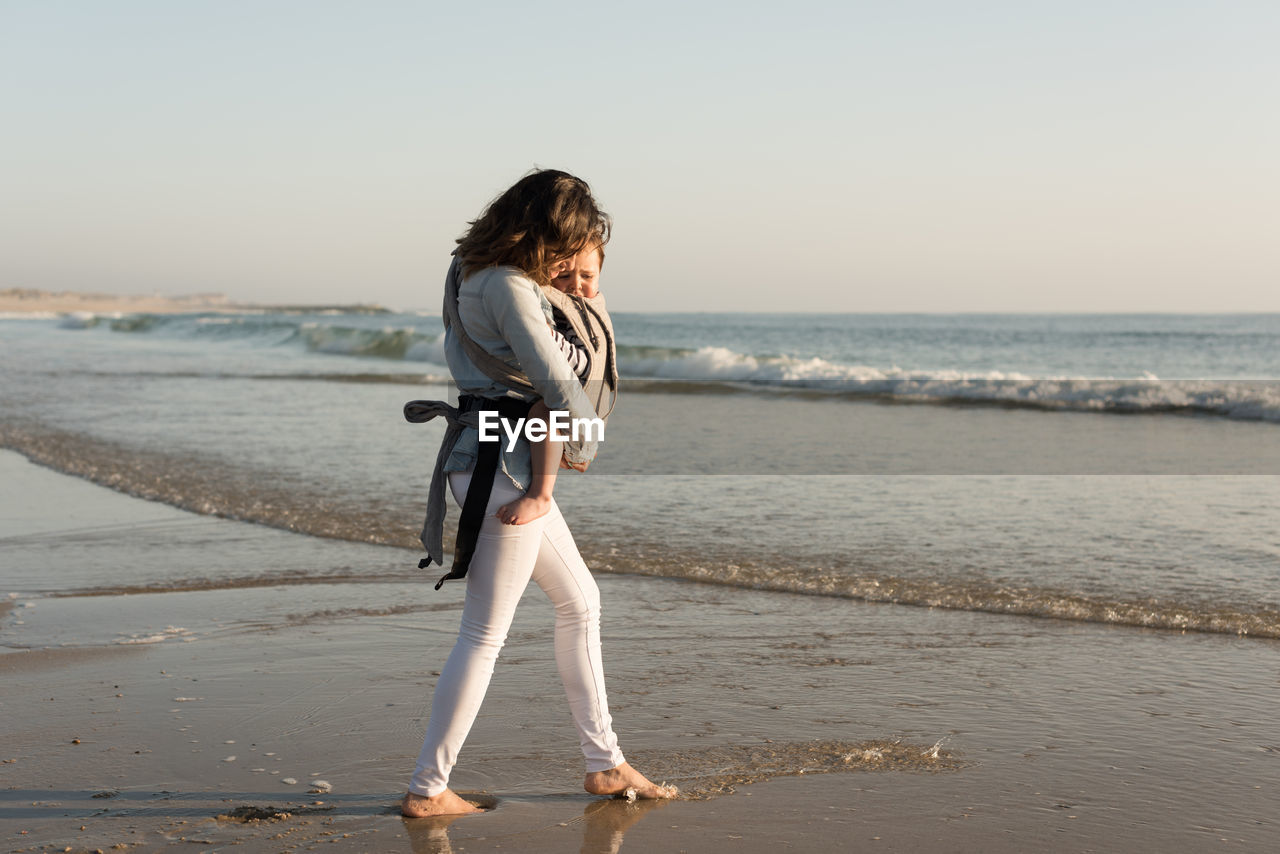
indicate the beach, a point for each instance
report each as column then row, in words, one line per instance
column 915, row 583
column 789, row 721
column 29, row 302
column 933, row 504
column 39, row 302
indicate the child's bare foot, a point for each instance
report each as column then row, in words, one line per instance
column 445, row 803
column 524, row 509
column 616, row 781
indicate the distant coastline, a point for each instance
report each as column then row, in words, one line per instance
column 33, row 301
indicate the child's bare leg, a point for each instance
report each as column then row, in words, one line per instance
column 545, row 456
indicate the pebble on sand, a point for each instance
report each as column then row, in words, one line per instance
column 288, row 781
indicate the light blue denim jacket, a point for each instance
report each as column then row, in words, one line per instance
column 505, row 312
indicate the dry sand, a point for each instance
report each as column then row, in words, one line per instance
column 31, row 301
column 39, row 303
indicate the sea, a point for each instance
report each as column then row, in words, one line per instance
column 1119, row 469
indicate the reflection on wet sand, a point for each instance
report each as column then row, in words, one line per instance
column 430, row 835
column 604, row 823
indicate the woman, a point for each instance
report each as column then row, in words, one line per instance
column 526, row 237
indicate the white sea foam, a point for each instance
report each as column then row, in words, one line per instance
column 169, row 633
column 905, row 372
column 1240, row 399
column 78, row 320
column 427, row 350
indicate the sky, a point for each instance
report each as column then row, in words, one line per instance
column 915, row 156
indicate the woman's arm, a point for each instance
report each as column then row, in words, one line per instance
column 515, row 304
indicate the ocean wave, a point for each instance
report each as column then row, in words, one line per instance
column 405, row 344
column 216, row 489
column 708, row 369
column 416, row 380
column 81, row 320
column 328, row 336
column 134, row 322
column 711, row 369
column 260, row 327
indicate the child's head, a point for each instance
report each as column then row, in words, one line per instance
column 582, row 276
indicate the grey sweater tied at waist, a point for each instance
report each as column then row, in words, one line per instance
column 420, row 412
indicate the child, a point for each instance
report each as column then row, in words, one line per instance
column 581, row 278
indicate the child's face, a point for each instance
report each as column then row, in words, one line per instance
column 581, row 277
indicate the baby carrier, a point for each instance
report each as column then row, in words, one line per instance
column 590, row 322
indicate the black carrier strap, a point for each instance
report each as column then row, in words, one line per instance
column 481, row 486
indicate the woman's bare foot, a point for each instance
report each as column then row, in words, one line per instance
column 524, row 509
column 445, row 803
column 616, row 781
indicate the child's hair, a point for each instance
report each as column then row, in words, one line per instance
column 546, row 217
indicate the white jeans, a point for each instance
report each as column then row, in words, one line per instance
column 506, row 557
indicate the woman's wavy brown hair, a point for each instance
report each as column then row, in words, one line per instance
column 546, row 217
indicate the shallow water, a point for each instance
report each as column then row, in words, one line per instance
column 1160, row 518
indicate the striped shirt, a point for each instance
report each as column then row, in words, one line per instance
column 572, row 348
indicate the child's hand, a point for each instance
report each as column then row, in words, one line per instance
column 565, row 464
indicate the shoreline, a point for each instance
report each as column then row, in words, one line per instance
column 38, row 303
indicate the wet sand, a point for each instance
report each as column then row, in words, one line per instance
column 768, row 709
